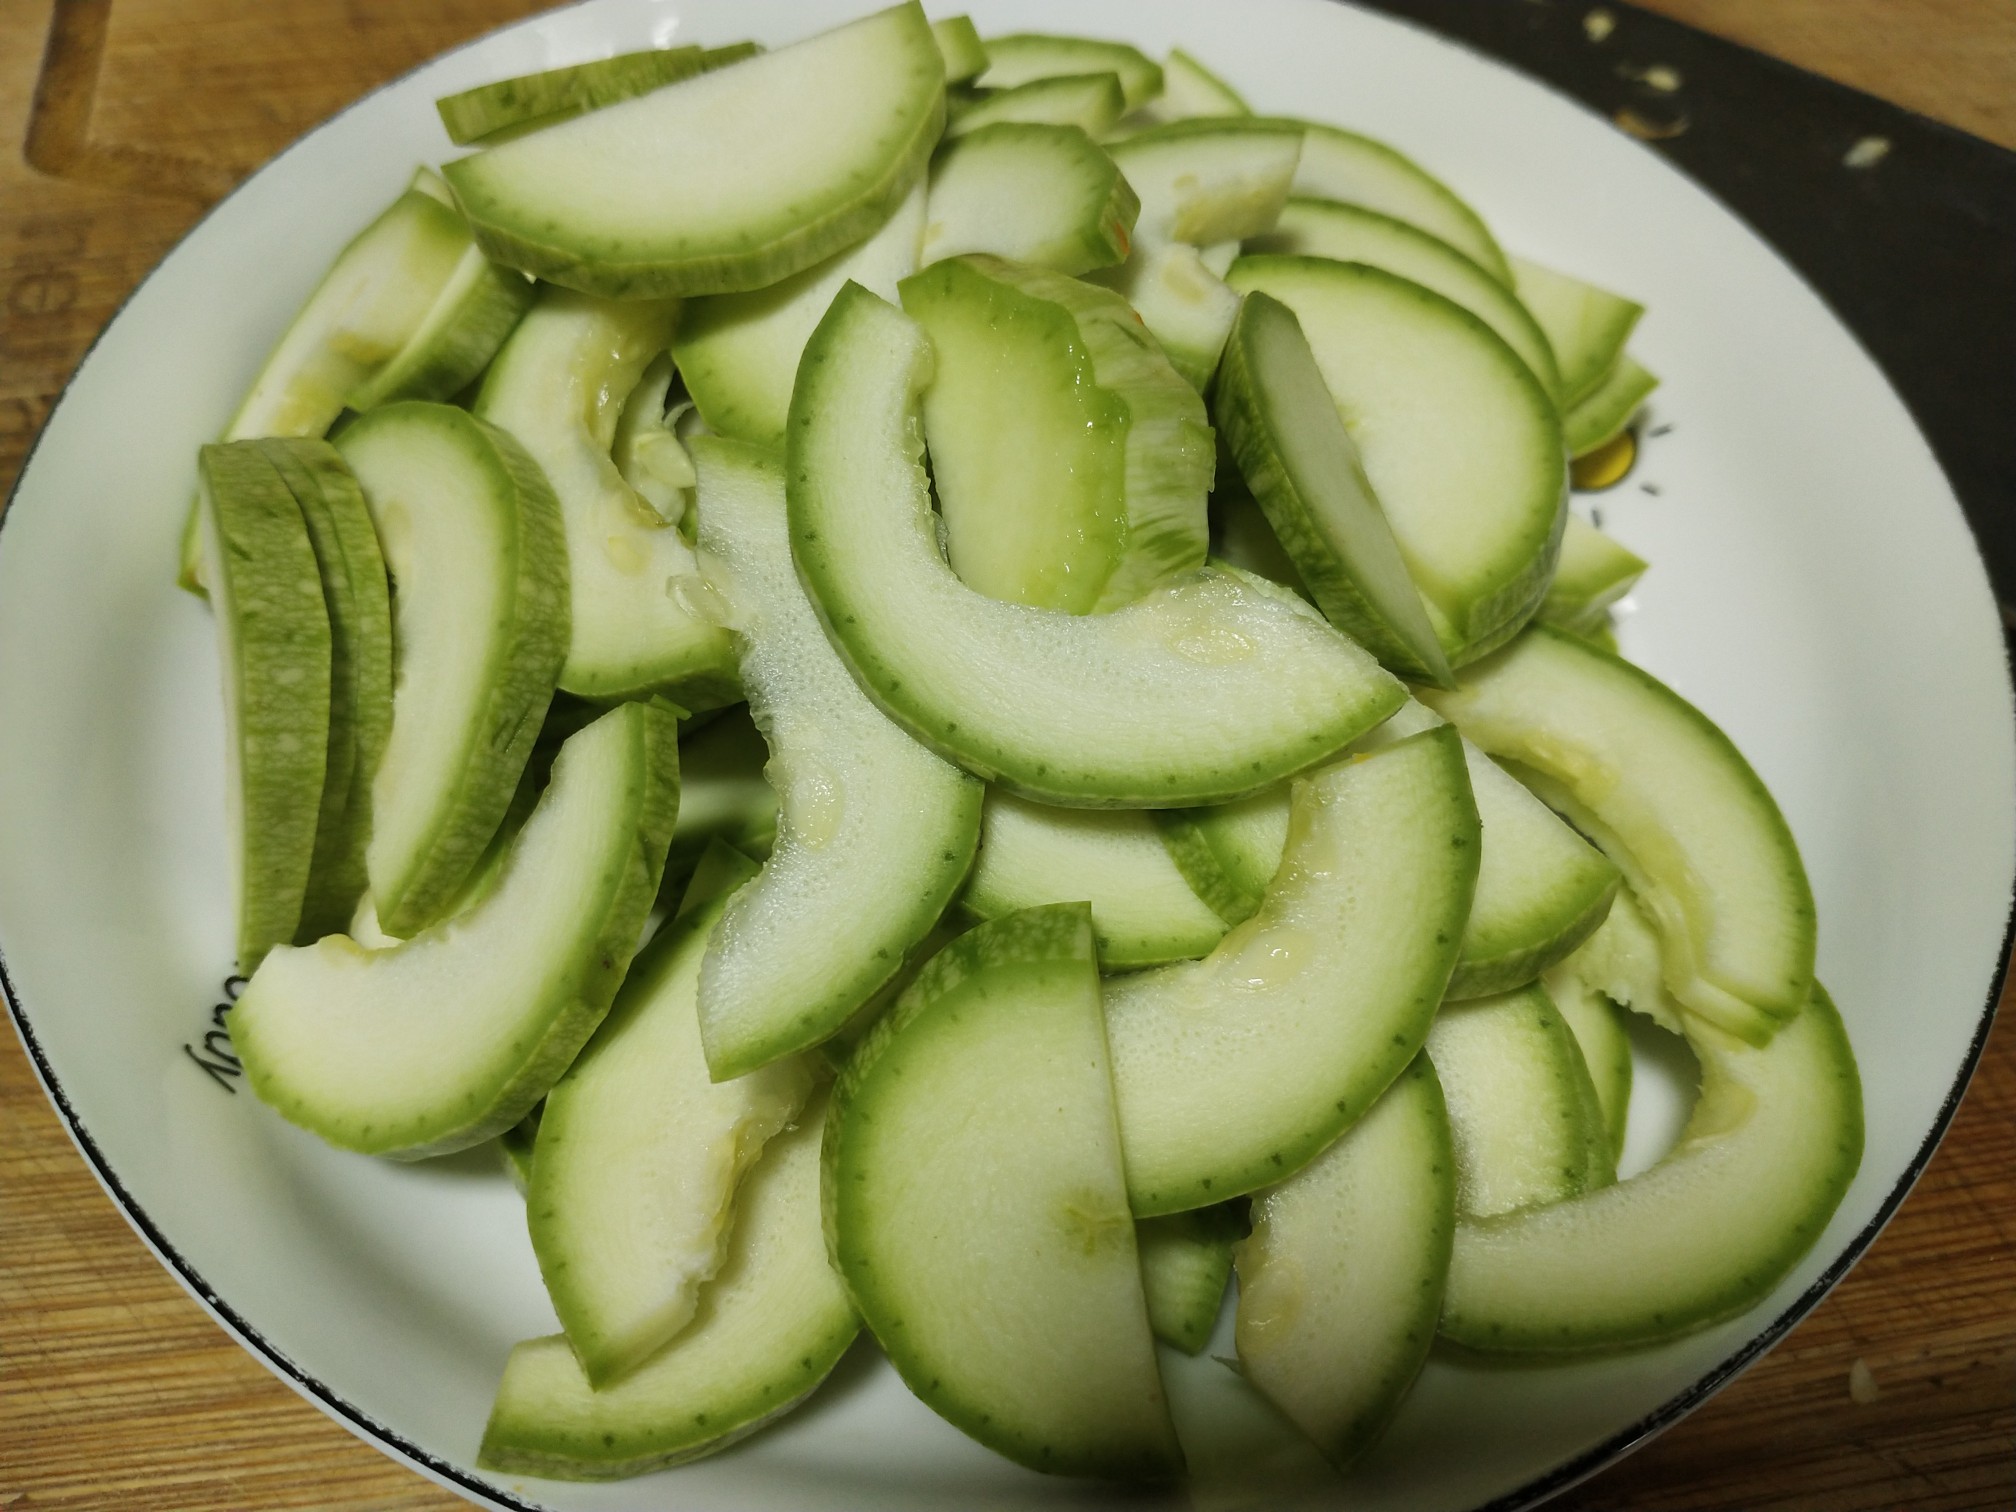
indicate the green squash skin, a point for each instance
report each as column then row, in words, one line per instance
column 273, row 627
column 358, row 597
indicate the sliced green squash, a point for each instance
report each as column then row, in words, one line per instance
column 1187, row 307
column 1586, row 326
column 1703, row 1235
column 770, row 1326
column 359, row 318
column 1669, row 798
column 1026, row 56
column 875, row 833
column 462, row 330
column 1071, row 460
column 356, row 595
column 727, row 181
column 1460, row 442
column 471, row 536
column 1209, row 688
column 960, row 46
column 977, row 1211
column 1296, row 455
column 273, row 640
column 1598, row 1027
column 1233, row 1072
column 1341, row 1281
column 1143, row 911
column 1186, row 1259
column 449, row 1038
column 1602, row 415
column 560, row 386
column 1593, row 573
column 1045, row 195
column 639, row 1154
column 1523, row 1111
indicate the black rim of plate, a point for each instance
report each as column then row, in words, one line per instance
column 1551, row 1483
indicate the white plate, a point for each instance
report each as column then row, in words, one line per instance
column 1814, row 589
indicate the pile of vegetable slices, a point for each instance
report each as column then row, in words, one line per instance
column 1188, row 816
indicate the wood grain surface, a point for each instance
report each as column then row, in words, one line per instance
column 116, row 1390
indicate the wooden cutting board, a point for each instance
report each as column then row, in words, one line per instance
column 116, row 1390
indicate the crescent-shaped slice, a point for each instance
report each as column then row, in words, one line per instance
column 1208, row 688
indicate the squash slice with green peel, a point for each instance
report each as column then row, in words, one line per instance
column 1234, row 1072
column 770, row 1325
column 1606, row 411
column 1211, row 687
column 1586, row 326
column 1594, row 572
column 1187, row 307
column 491, row 112
column 1341, row 1281
column 1460, row 442
column 1212, row 180
column 560, row 386
column 468, row 321
column 362, row 315
column 1523, row 1110
column 639, row 1155
column 1186, row 1259
column 1598, row 1026
column 1352, row 233
column 1045, row 195
column 1667, row 796
column 1090, row 101
column 449, row 1038
column 959, row 44
column 738, row 353
column 875, row 833
column 1542, row 890
column 982, row 1105
column 1143, row 911
column 1357, row 170
column 1703, row 1235
column 356, row 595
column 273, row 640
column 1071, row 460
column 471, row 537
column 727, row 181
column 1296, row 455
column 1028, row 56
